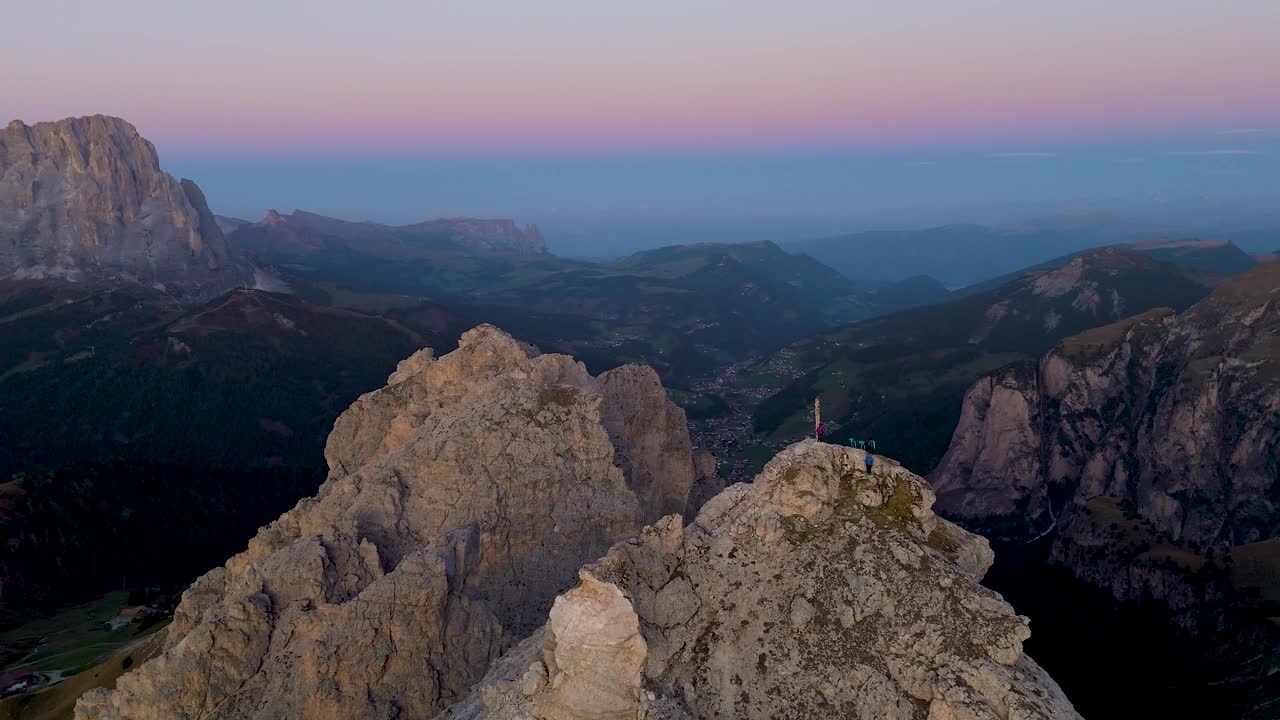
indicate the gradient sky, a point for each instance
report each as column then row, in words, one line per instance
column 399, row 109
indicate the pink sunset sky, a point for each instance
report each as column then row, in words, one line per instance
column 398, row 109
column 339, row 76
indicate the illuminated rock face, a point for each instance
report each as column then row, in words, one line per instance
column 818, row 590
column 1173, row 414
column 85, row 199
column 439, row 573
column 461, row 499
column 1147, row 450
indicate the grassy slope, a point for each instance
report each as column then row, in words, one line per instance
column 58, row 702
column 73, row 639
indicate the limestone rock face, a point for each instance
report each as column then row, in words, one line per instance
column 707, row 482
column 994, row 457
column 1148, row 453
column 819, row 590
column 84, row 198
column 1177, row 415
column 654, row 432
column 461, row 499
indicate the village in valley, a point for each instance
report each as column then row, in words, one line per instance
column 44, row 651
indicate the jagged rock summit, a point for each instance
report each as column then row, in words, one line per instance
column 85, row 198
column 461, row 498
column 422, row 579
column 817, row 591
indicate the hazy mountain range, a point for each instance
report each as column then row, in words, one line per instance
column 898, row 379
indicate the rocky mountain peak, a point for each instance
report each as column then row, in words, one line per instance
column 272, row 218
column 818, row 590
column 1072, row 275
column 439, row 571
column 461, row 498
column 85, row 198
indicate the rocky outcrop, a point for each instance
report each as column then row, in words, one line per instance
column 461, row 498
column 1093, row 288
column 1176, row 415
column 707, row 482
column 819, row 590
column 422, row 580
column 655, row 435
column 84, row 198
column 1146, row 454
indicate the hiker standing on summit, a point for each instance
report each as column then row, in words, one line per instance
column 819, row 429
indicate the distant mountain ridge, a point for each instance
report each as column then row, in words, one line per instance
column 308, row 233
column 963, row 254
column 85, row 198
column 1210, row 261
column 773, row 268
column 899, row 378
column 815, row 281
column 684, row 309
column 911, row 292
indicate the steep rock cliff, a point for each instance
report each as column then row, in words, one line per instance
column 1177, row 415
column 1145, row 456
column 84, row 198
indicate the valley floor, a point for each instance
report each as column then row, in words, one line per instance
column 729, row 435
column 45, row 651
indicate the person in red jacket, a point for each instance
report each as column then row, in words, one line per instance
column 820, row 431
